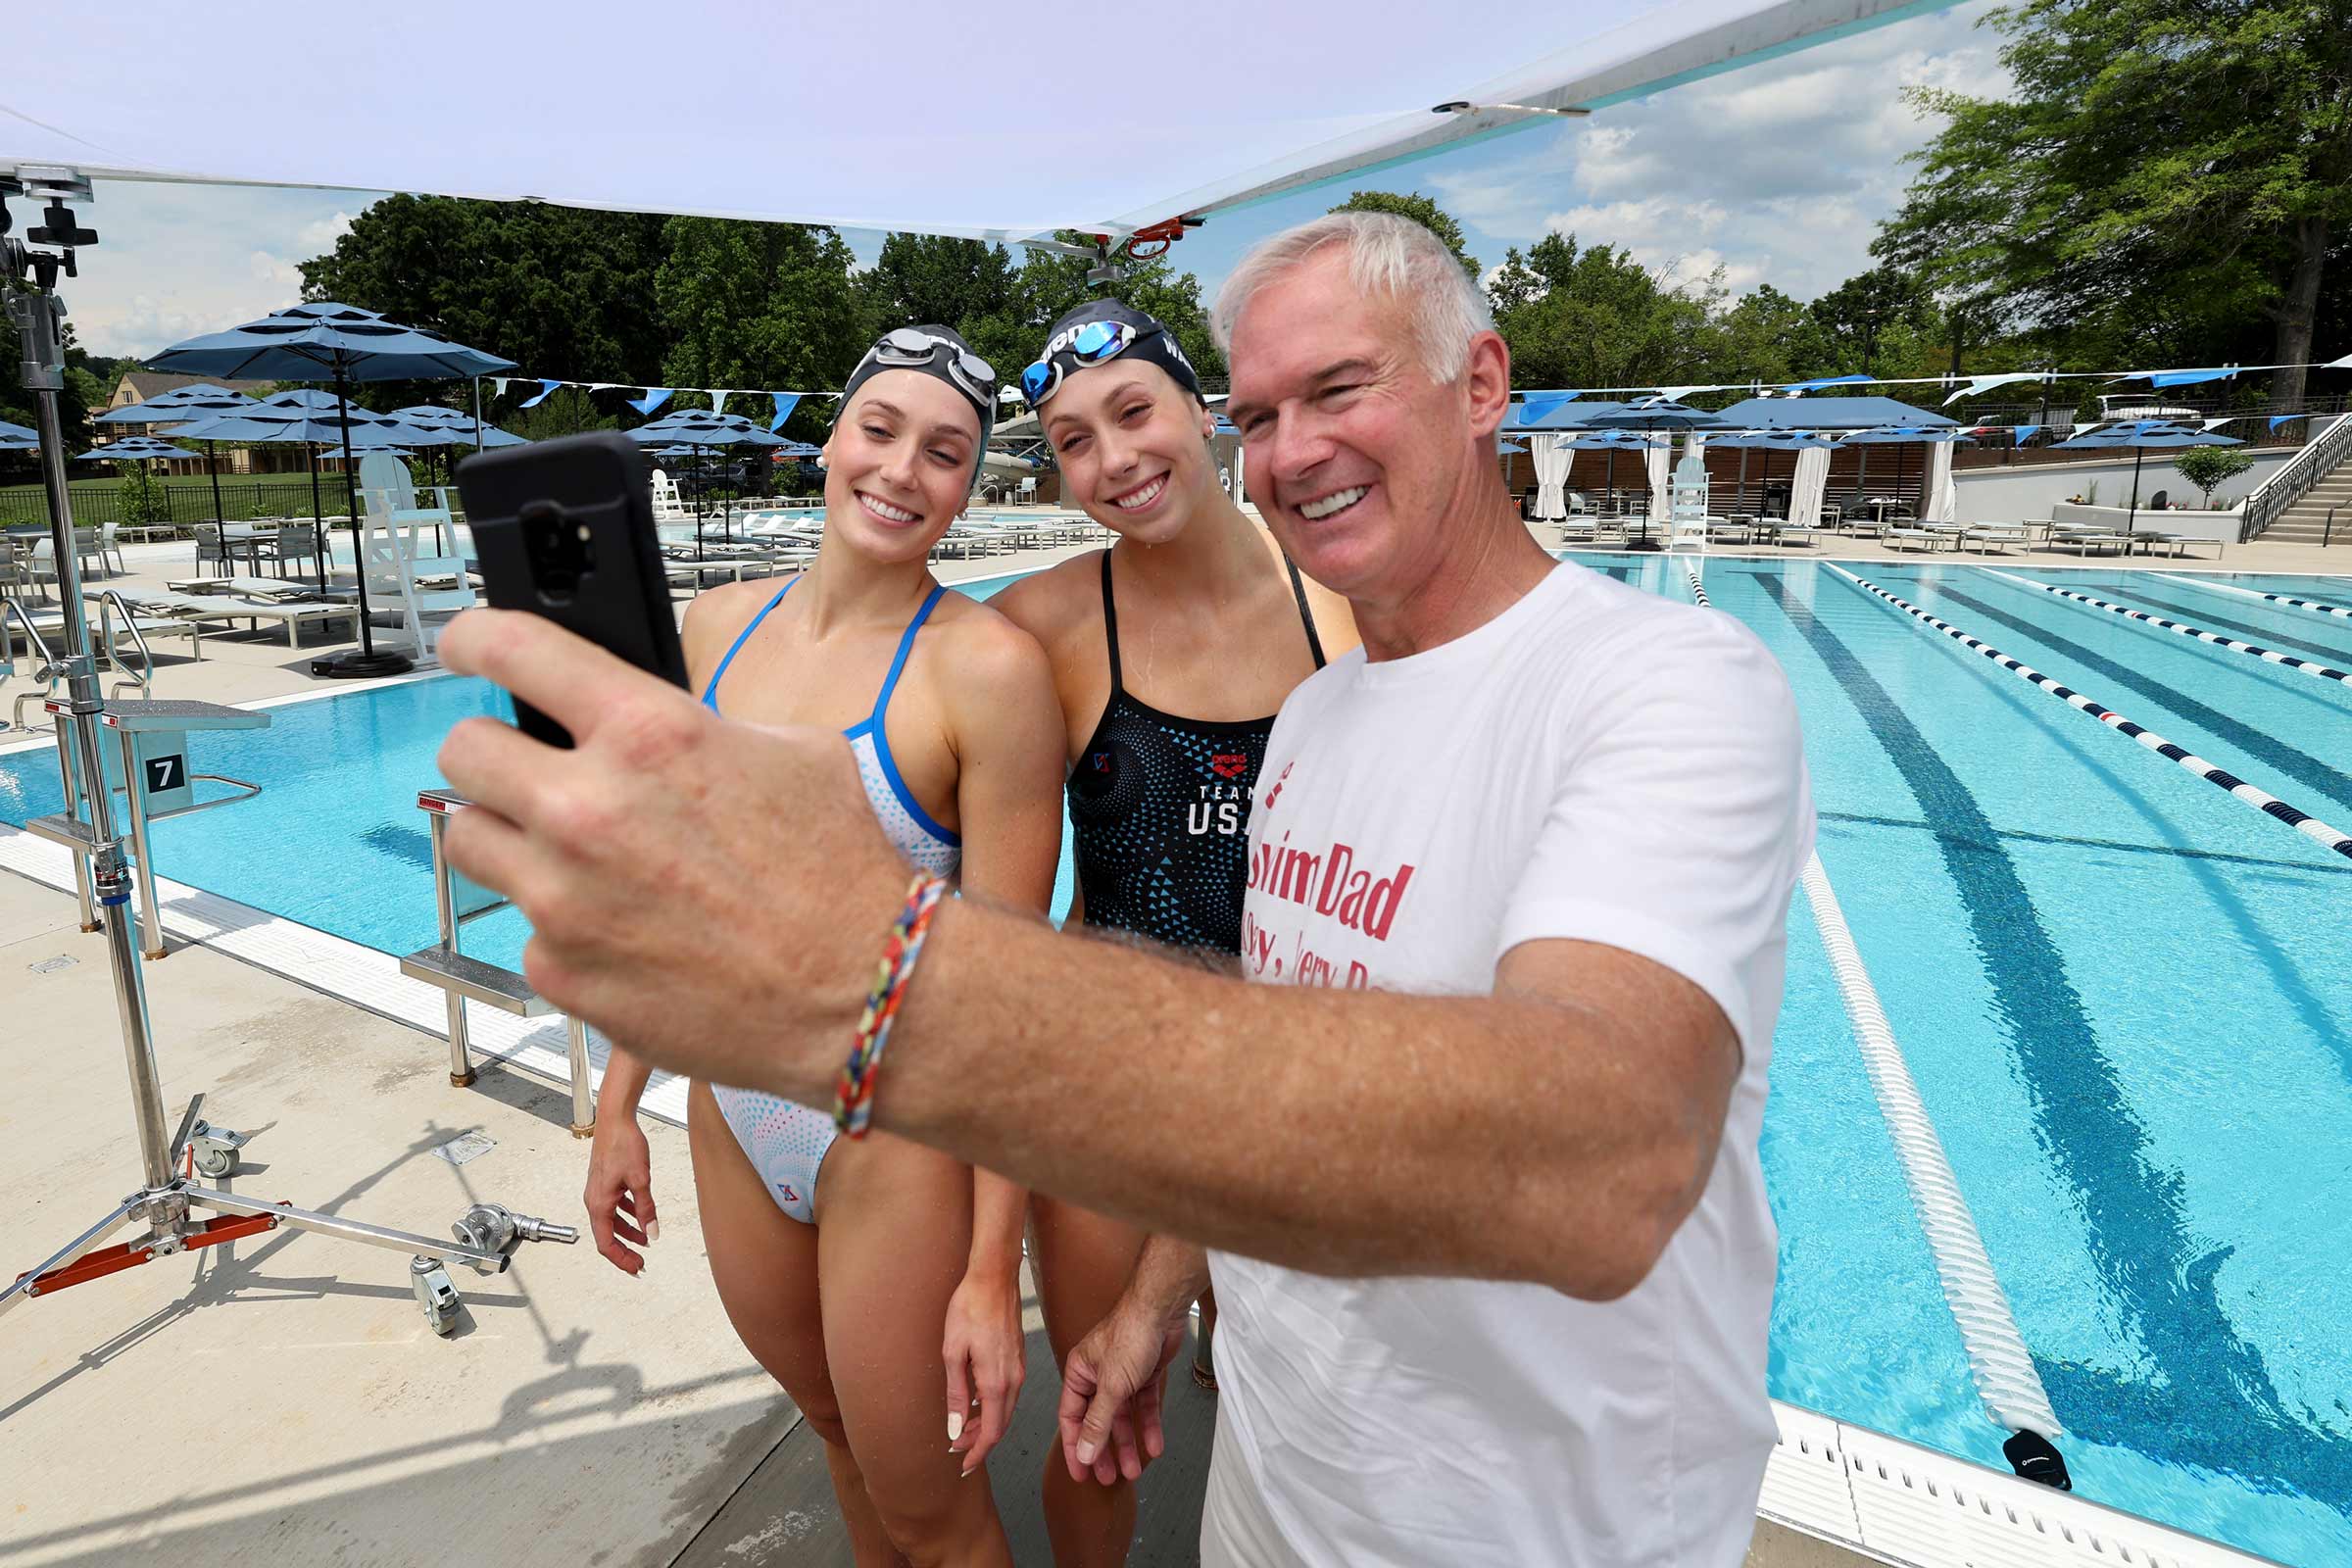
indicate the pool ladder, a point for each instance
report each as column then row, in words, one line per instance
column 462, row 979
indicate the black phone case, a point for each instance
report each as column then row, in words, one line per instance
column 564, row 529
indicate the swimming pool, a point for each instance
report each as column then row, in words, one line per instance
column 2123, row 997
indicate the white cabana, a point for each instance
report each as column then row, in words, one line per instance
column 1941, row 499
column 1812, row 476
column 897, row 117
column 1551, row 457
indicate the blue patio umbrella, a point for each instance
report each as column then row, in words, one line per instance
column 16, row 438
column 1613, row 442
column 2141, row 435
column 313, row 420
column 186, row 405
column 1646, row 414
column 1767, row 442
column 323, row 342
column 132, row 449
column 705, row 430
column 1895, row 435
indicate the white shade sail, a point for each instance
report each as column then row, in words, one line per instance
column 924, row 115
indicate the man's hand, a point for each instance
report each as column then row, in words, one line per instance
column 1114, row 1384
column 668, row 848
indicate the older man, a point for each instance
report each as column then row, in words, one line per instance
column 1481, row 1185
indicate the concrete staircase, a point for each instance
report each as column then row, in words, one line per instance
column 2306, row 520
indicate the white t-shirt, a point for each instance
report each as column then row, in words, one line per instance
column 1594, row 763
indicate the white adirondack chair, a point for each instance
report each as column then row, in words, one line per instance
column 398, row 557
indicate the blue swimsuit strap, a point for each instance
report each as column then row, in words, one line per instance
column 875, row 727
column 711, row 692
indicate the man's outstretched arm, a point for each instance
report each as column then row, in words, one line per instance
column 1555, row 1132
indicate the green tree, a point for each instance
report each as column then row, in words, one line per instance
column 759, row 305
column 930, row 277
column 1592, row 316
column 1421, row 210
column 560, row 291
column 2185, row 163
column 2211, row 468
column 141, row 495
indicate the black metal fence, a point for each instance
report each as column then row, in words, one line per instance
column 100, row 502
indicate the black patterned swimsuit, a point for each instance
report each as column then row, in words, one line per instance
column 1159, row 809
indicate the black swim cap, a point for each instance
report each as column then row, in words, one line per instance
column 940, row 353
column 1066, row 352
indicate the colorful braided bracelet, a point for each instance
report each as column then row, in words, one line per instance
column 854, row 1099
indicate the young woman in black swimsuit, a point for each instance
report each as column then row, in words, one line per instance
column 1171, row 651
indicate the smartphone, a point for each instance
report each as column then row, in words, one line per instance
column 564, row 529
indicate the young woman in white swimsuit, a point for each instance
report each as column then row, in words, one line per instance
column 851, row 1267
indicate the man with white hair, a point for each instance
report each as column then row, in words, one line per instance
column 1480, row 1184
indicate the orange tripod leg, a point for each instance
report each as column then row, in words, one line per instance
column 130, row 1254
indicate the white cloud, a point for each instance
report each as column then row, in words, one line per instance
column 1780, row 172
column 316, row 239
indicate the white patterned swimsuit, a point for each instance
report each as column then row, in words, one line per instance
column 786, row 1142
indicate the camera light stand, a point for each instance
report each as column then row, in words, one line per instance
column 169, row 1201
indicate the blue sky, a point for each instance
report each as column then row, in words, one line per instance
column 1778, row 172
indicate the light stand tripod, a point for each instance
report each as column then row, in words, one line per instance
column 168, row 1198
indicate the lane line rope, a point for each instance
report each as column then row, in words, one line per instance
column 2272, row 656
column 2219, row 777
column 2313, row 604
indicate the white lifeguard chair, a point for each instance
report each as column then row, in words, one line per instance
column 400, row 564
column 1688, row 526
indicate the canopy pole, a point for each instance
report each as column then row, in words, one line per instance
column 2132, row 512
column 211, row 465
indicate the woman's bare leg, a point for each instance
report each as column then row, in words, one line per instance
column 766, row 1267
column 1082, row 1262
column 894, row 1232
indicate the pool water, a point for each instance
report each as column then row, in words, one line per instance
column 2124, row 996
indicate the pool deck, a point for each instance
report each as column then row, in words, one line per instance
column 282, row 1397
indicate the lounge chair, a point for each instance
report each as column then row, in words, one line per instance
column 229, row 609
column 1902, row 538
column 1992, row 538
column 2086, row 540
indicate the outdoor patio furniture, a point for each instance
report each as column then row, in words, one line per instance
column 110, row 545
column 1904, row 538
column 297, row 541
column 1988, row 538
column 2087, row 541
column 276, row 589
column 229, row 609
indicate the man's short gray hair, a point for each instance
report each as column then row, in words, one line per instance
column 1386, row 254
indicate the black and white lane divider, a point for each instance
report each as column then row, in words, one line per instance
column 1997, row 1358
column 2220, row 778
column 2272, row 656
column 2277, row 598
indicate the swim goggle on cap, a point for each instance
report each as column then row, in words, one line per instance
column 1098, row 333
column 936, row 352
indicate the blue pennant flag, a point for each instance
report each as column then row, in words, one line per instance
column 1827, row 380
column 2277, row 420
column 539, row 397
column 1541, row 404
column 2191, row 377
column 2026, row 432
column 786, row 402
column 655, row 397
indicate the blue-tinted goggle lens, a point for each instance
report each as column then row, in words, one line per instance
column 1097, row 341
column 1037, row 380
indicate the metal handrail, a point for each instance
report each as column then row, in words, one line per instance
column 32, row 636
column 2295, row 478
column 143, row 678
